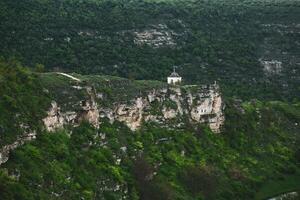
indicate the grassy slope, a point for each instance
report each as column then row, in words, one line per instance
column 113, row 89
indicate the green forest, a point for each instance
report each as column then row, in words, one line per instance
column 135, row 45
column 215, row 40
column 256, row 154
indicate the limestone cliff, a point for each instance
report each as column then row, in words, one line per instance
column 93, row 98
column 5, row 150
column 88, row 111
column 168, row 106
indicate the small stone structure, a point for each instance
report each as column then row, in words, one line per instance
column 174, row 78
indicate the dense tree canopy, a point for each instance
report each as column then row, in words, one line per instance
column 257, row 154
column 215, row 40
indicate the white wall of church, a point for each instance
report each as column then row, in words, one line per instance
column 174, row 80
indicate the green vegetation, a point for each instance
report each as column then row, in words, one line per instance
column 257, row 152
column 280, row 186
column 220, row 40
column 109, row 89
column 169, row 104
column 116, row 89
column 22, row 101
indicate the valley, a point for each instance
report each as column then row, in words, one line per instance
column 149, row 99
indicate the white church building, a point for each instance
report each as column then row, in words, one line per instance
column 174, row 78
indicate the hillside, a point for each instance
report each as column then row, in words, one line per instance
column 250, row 47
column 258, row 146
column 72, row 98
column 86, row 112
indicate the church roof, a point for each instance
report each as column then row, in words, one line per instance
column 174, row 74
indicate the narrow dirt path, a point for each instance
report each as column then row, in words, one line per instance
column 69, row 76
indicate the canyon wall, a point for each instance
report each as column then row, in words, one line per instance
column 198, row 104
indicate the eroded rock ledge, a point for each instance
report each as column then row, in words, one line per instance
column 5, row 150
column 166, row 106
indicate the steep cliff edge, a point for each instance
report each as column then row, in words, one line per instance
column 127, row 102
column 92, row 98
column 5, row 150
column 153, row 141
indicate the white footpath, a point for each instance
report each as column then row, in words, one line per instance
column 69, row 76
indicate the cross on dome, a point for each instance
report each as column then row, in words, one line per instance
column 174, row 73
column 174, row 77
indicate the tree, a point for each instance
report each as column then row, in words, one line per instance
column 198, row 179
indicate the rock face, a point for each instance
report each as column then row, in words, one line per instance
column 290, row 195
column 57, row 119
column 209, row 109
column 168, row 106
column 5, row 150
column 197, row 104
column 272, row 67
column 157, row 36
column 131, row 115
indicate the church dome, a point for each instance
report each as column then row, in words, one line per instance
column 174, row 74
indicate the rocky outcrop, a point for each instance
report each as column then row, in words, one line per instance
column 5, row 150
column 87, row 111
column 199, row 104
column 290, row 195
column 209, row 109
column 131, row 115
column 57, row 119
column 168, row 106
column 158, row 36
column 54, row 119
column 272, row 67
column 169, row 113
